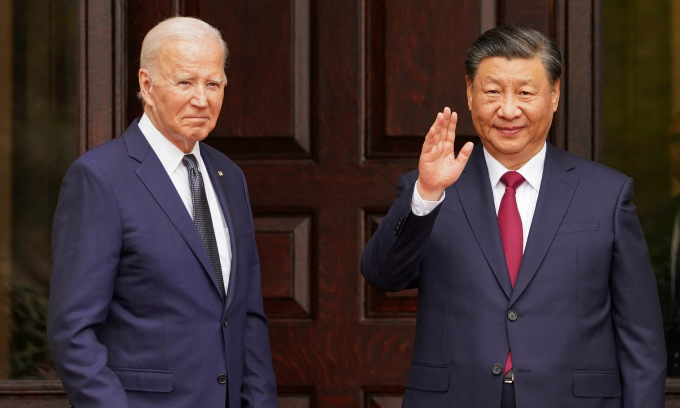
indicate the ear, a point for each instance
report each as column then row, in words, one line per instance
column 145, row 86
column 468, row 84
column 555, row 95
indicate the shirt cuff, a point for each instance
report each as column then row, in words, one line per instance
column 422, row 207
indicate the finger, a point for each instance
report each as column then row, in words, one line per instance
column 440, row 125
column 438, row 131
column 464, row 154
column 447, row 134
column 438, row 120
column 443, row 121
column 451, row 129
column 429, row 142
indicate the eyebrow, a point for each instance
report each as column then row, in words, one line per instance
column 185, row 77
column 527, row 81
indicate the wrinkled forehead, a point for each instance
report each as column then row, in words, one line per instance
column 515, row 69
column 536, row 62
column 182, row 54
column 188, row 49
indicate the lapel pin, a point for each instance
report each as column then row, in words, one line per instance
column 220, row 173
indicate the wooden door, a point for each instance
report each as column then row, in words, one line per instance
column 327, row 104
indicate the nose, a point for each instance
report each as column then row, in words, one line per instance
column 509, row 107
column 200, row 98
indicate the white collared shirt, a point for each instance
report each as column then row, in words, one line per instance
column 526, row 196
column 171, row 159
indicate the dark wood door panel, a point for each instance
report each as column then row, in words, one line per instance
column 539, row 14
column 414, row 67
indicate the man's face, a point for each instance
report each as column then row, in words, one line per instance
column 512, row 106
column 184, row 97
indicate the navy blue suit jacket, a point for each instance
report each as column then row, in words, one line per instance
column 583, row 319
column 135, row 316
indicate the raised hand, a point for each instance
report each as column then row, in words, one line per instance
column 438, row 167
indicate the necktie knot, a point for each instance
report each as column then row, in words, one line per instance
column 512, row 179
column 190, row 162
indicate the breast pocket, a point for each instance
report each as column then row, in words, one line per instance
column 578, row 226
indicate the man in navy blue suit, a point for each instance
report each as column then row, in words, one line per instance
column 535, row 287
column 155, row 293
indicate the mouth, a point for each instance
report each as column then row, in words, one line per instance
column 509, row 130
column 197, row 118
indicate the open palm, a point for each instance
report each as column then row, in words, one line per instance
column 438, row 167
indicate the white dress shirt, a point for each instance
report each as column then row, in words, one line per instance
column 171, row 159
column 526, row 196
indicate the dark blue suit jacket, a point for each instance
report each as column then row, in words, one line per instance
column 583, row 320
column 135, row 316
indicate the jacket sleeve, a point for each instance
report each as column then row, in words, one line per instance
column 636, row 311
column 86, row 243
column 391, row 258
column 259, row 383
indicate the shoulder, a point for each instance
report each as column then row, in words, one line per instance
column 594, row 180
column 130, row 144
column 230, row 174
column 105, row 158
column 218, row 159
column 113, row 160
column 585, row 169
column 409, row 178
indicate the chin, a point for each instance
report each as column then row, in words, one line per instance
column 200, row 137
column 509, row 147
column 197, row 134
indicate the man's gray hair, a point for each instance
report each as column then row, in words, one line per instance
column 513, row 42
column 176, row 28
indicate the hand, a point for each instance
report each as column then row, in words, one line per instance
column 438, row 168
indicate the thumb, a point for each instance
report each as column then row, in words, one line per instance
column 464, row 153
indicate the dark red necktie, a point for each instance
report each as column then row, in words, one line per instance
column 510, row 225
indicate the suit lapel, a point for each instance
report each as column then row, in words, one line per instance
column 476, row 198
column 557, row 190
column 155, row 178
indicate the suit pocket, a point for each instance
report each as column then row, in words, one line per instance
column 144, row 380
column 428, row 378
column 599, row 384
column 578, row 226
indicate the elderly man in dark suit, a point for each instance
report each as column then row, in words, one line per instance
column 534, row 282
column 155, row 294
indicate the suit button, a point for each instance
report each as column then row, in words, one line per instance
column 497, row 369
column 222, row 378
column 512, row 315
column 225, row 323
